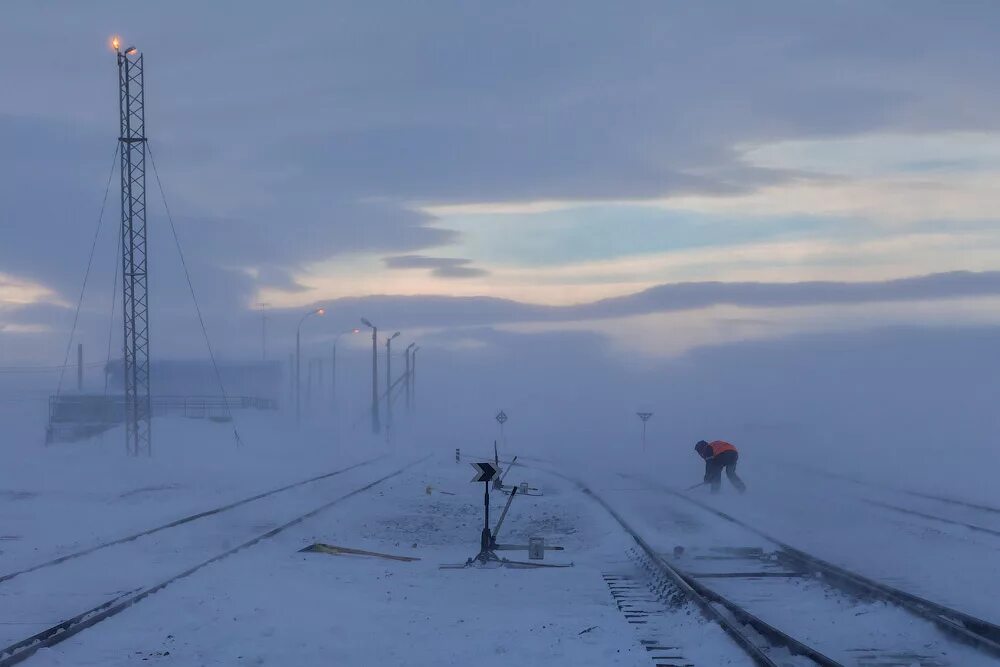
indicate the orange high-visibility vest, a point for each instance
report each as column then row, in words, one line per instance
column 719, row 446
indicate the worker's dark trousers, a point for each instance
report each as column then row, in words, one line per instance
column 713, row 471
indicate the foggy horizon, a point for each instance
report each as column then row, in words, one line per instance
column 707, row 294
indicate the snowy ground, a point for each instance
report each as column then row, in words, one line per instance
column 273, row 605
column 68, row 496
column 852, row 631
column 833, row 518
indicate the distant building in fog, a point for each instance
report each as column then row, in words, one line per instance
column 255, row 379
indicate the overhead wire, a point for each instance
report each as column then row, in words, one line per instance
column 45, row 369
column 364, row 412
column 194, row 297
column 114, row 302
column 86, row 275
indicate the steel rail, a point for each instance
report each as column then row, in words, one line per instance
column 708, row 611
column 704, row 598
column 976, row 632
column 933, row 517
column 23, row 649
column 183, row 520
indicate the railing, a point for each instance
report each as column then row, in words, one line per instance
column 76, row 416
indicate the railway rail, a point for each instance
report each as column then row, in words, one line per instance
column 24, row 648
column 937, row 497
column 183, row 520
column 768, row 645
column 933, row 517
column 967, row 628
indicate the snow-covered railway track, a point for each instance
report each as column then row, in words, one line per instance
column 966, row 629
column 119, row 601
column 934, row 517
column 954, row 501
column 182, row 520
column 794, row 609
column 756, row 637
column 942, row 502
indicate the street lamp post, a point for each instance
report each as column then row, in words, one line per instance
column 388, row 382
column 263, row 330
column 644, row 416
column 413, row 376
column 408, row 348
column 298, row 363
column 376, row 427
column 333, row 366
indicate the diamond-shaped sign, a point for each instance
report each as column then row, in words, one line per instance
column 501, row 417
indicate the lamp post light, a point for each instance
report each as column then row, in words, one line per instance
column 376, row 426
column 298, row 362
column 644, row 416
column 413, row 375
column 263, row 330
column 333, row 366
column 388, row 382
column 408, row 348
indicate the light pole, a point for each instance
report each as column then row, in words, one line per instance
column 333, row 366
column 376, row 427
column 388, row 382
column 298, row 363
column 644, row 416
column 263, row 330
column 413, row 375
column 408, row 348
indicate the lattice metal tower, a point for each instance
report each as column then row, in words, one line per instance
column 132, row 149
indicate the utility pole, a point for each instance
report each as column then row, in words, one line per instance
column 263, row 331
column 408, row 375
column 333, row 367
column 291, row 376
column 309, row 381
column 388, row 384
column 79, row 367
column 135, row 293
column 644, row 416
column 376, row 426
column 298, row 363
column 298, row 376
column 413, row 376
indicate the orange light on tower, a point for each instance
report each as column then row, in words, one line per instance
column 116, row 42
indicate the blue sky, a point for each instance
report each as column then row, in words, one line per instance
column 323, row 151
